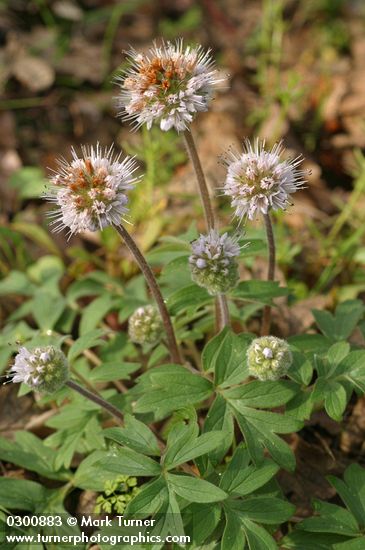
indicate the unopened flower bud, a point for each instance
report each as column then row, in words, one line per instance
column 269, row 358
column 43, row 369
column 145, row 325
column 213, row 264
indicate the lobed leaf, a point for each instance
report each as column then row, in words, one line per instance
column 194, row 489
column 242, row 478
column 205, row 443
column 130, row 463
column 171, row 391
column 136, row 435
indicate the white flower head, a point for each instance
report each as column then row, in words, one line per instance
column 145, row 325
column 168, row 85
column 259, row 180
column 43, row 369
column 269, row 358
column 91, row 192
column 212, row 262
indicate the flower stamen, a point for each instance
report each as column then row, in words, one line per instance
column 168, row 85
column 91, row 191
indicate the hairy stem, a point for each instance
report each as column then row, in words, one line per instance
column 224, row 311
column 83, row 380
column 221, row 301
column 156, row 292
column 202, row 184
column 96, row 399
column 266, row 319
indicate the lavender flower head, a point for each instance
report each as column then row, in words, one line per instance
column 259, row 180
column 43, row 369
column 212, row 262
column 91, row 192
column 168, row 85
column 269, row 358
column 145, row 325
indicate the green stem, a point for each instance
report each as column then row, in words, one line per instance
column 83, row 380
column 156, row 292
column 96, row 399
column 266, row 319
column 224, row 311
column 202, row 185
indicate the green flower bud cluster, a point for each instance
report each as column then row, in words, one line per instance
column 269, row 358
column 43, row 369
column 145, row 326
column 212, row 263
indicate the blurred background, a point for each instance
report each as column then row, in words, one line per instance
column 296, row 72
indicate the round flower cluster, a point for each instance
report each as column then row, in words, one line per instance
column 91, row 192
column 168, row 85
column 269, row 358
column 259, row 180
column 212, row 263
column 43, row 369
column 145, row 325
